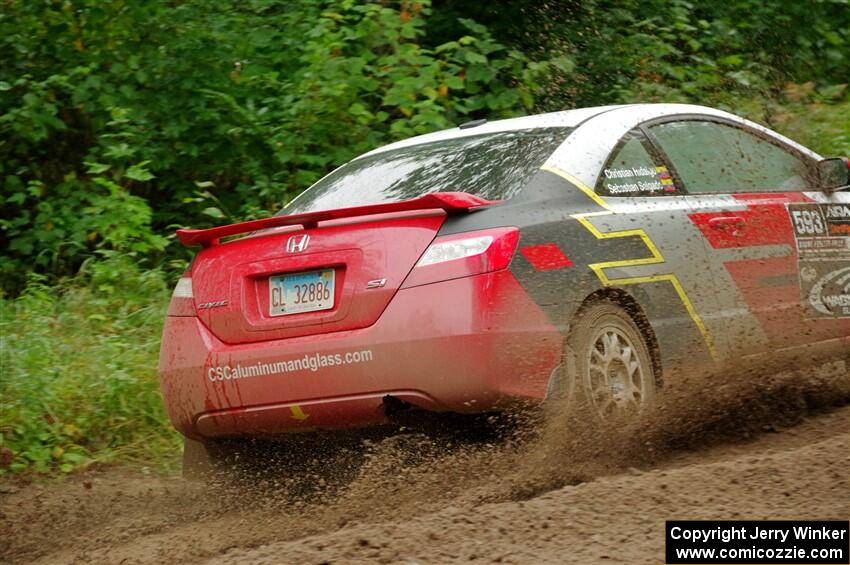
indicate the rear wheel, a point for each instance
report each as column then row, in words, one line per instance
column 612, row 372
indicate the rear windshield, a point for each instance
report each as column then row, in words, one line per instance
column 494, row 166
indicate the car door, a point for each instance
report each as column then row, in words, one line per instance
column 649, row 222
column 745, row 188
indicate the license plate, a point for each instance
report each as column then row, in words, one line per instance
column 301, row 292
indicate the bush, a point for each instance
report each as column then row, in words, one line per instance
column 817, row 118
column 203, row 111
column 79, row 371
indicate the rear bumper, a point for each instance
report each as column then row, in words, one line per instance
column 462, row 345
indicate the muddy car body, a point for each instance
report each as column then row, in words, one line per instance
column 605, row 249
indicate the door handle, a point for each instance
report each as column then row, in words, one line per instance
column 728, row 224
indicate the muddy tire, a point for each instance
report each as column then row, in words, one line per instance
column 607, row 370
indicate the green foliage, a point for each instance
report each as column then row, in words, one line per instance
column 61, row 223
column 716, row 52
column 817, row 118
column 210, row 110
column 711, row 52
column 206, row 111
column 79, row 380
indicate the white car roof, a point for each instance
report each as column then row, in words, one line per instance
column 598, row 129
column 586, row 149
column 566, row 118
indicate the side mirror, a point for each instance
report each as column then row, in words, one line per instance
column 833, row 173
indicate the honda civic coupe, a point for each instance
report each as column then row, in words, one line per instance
column 600, row 252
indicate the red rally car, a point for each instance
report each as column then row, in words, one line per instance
column 600, row 251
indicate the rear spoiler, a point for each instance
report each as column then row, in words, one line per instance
column 451, row 202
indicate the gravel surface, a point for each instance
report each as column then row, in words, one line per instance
column 769, row 449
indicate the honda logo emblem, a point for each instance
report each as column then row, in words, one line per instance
column 298, row 243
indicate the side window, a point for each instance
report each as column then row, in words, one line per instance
column 714, row 157
column 631, row 171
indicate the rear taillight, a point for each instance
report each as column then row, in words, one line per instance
column 464, row 255
column 182, row 301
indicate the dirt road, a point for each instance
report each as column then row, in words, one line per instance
column 778, row 449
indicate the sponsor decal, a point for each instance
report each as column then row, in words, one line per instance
column 822, row 235
column 837, row 219
column 312, row 363
column 829, row 293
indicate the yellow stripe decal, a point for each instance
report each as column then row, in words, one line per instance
column 654, row 258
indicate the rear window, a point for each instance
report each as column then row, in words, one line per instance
column 493, row 166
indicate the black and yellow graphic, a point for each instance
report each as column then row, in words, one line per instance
column 655, row 256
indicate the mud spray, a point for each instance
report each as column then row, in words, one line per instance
column 415, row 497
